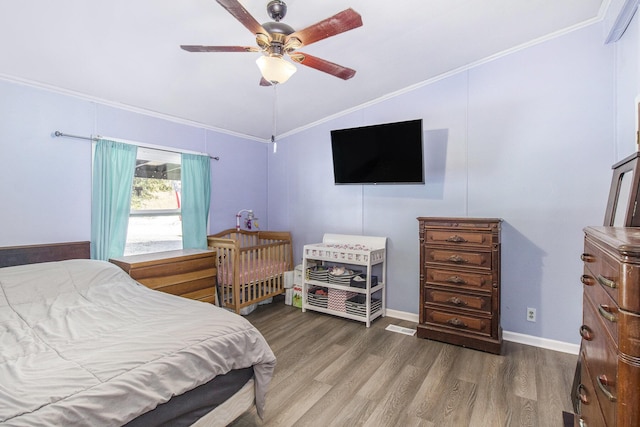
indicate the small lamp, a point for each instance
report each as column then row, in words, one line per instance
column 275, row 69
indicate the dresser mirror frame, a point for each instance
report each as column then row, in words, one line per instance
column 623, row 194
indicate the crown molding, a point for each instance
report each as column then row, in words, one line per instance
column 618, row 16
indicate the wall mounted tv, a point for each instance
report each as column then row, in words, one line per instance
column 389, row 153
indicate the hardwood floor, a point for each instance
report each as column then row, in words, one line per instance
column 337, row 372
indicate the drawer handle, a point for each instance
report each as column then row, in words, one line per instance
column 604, row 383
column 586, row 280
column 606, row 282
column 456, row 301
column 456, row 279
column 457, row 239
column 587, row 258
column 586, row 333
column 457, row 259
column 582, row 395
column 605, row 311
column 457, row 323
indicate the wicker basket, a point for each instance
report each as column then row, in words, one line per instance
column 356, row 305
column 317, row 297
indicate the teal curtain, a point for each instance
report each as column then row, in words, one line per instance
column 196, row 197
column 114, row 164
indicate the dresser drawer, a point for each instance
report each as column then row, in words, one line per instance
column 458, row 321
column 451, row 299
column 601, row 353
column 172, row 267
column 459, row 258
column 183, row 283
column 471, row 281
column 488, row 225
column 620, row 280
column 190, row 273
column 605, row 306
column 205, row 295
column 459, row 238
column 589, row 408
column 623, row 326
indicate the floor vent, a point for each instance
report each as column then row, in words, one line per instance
column 401, row 330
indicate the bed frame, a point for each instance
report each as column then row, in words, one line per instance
column 11, row 256
column 251, row 265
column 33, row 254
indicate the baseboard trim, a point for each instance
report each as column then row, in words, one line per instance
column 516, row 337
column 402, row 315
column 561, row 346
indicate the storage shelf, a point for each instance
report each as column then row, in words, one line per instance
column 376, row 288
column 347, row 250
column 344, row 314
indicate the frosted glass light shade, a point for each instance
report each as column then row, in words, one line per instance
column 275, row 69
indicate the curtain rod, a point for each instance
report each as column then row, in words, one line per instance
column 155, row 147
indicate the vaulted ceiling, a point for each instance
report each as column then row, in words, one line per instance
column 127, row 53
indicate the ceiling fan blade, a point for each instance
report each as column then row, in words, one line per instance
column 323, row 65
column 240, row 13
column 195, row 48
column 346, row 20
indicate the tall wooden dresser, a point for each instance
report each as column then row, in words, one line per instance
column 609, row 389
column 189, row 273
column 460, row 282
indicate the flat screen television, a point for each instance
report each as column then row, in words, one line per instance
column 389, row 153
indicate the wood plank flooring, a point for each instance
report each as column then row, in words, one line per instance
column 336, row 372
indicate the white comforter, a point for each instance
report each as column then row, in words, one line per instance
column 81, row 343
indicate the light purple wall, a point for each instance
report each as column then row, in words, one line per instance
column 528, row 137
column 45, row 188
column 627, row 89
column 45, row 183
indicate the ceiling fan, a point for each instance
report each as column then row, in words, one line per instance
column 276, row 39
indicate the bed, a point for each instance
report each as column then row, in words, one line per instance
column 251, row 265
column 81, row 343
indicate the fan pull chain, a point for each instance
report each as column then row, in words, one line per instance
column 275, row 118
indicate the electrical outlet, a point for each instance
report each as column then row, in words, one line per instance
column 531, row 314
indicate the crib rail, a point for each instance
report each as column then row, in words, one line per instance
column 251, row 265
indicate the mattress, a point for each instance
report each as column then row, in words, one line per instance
column 84, row 344
column 252, row 271
column 187, row 408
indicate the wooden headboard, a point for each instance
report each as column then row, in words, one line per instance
column 32, row 254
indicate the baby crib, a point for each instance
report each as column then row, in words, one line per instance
column 251, row 265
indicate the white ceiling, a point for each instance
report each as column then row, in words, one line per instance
column 126, row 53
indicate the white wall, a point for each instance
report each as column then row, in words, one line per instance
column 528, row 137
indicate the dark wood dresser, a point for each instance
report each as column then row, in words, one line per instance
column 460, row 282
column 189, row 273
column 609, row 389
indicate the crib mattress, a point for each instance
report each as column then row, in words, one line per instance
column 253, row 271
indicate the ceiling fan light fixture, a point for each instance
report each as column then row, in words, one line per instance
column 275, row 69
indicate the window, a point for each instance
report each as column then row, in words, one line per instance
column 155, row 223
